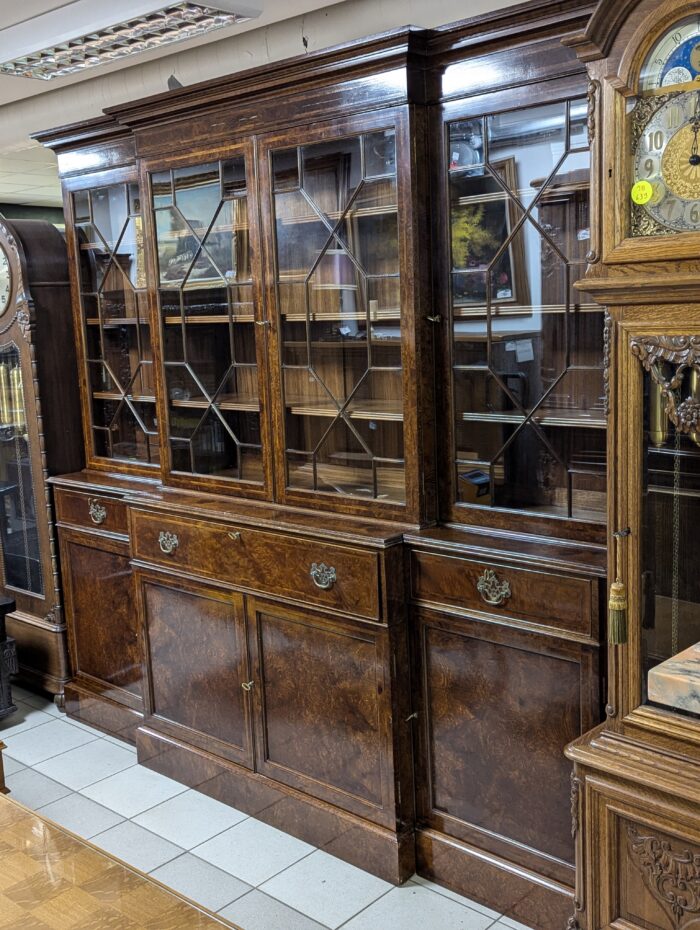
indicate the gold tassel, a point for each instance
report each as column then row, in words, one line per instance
column 617, row 605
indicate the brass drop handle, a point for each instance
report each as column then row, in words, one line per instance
column 97, row 511
column 234, row 535
column 323, row 576
column 247, row 685
column 492, row 590
column 168, row 542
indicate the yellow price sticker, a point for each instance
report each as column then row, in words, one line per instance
column 642, row 192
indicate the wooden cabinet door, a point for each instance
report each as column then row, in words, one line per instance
column 497, row 706
column 323, row 708
column 197, row 664
column 102, row 621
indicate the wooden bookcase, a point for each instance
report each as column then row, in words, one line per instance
column 295, row 329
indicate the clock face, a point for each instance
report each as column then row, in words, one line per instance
column 5, row 280
column 666, row 170
column 675, row 58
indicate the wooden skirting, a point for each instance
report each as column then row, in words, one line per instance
column 513, row 891
column 375, row 849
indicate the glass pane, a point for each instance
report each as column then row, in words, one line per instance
column 527, row 352
column 670, row 581
column 115, row 312
column 339, row 295
column 207, row 305
column 18, row 521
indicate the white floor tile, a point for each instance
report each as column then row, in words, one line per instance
column 119, row 742
column 138, row 847
column 81, row 815
column 413, row 907
column 11, row 766
column 189, row 819
column 34, row 789
column 326, row 889
column 453, row 896
column 201, row 882
column 257, row 911
column 87, row 764
column 40, row 743
column 133, row 791
column 24, row 718
column 252, row 851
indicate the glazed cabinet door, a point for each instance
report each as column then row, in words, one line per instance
column 199, row 685
column 103, row 630
column 109, row 281
column 212, row 336
column 338, row 232
column 323, row 708
column 497, row 706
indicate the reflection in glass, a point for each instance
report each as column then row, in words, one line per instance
column 18, row 523
column 528, row 392
column 338, row 290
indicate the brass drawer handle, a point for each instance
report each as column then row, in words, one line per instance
column 247, row 685
column 97, row 511
column 234, row 535
column 168, row 542
column 493, row 591
column 323, row 576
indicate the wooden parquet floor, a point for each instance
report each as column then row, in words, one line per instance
column 51, row 880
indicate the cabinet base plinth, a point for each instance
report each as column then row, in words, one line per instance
column 101, row 712
column 41, row 650
column 493, row 882
column 388, row 855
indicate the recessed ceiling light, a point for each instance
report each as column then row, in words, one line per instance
column 83, row 34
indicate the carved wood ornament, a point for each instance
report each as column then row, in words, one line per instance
column 680, row 353
column 672, row 877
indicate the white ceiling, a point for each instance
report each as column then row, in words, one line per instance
column 285, row 28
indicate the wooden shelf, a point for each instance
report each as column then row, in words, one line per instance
column 351, row 480
column 390, row 313
column 544, row 417
column 385, row 410
column 335, row 215
column 115, row 321
column 217, row 319
column 113, row 395
column 501, row 311
column 223, row 402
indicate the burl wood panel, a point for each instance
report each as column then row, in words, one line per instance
column 498, row 717
column 102, row 620
column 52, row 880
column 198, row 663
column 322, row 699
column 74, row 509
column 267, row 562
column 554, row 600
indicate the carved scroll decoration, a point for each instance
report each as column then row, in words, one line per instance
column 607, row 352
column 679, row 353
column 672, row 877
column 592, row 97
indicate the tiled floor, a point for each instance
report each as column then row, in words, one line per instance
column 248, row 872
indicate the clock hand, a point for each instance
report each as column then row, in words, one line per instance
column 694, row 159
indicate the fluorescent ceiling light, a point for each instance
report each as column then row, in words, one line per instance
column 83, row 34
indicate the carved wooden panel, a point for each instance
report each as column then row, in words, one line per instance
column 198, row 665
column 498, row 708
column 322, row 705
column 103, row 630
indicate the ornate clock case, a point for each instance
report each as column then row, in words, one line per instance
column 636, row 784
column 39, row 437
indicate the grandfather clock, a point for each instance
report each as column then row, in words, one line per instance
column 40, row 435
column 636, row 782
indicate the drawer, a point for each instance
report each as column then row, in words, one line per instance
column 559, row 601
column 337, row 577
column 91, row 510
